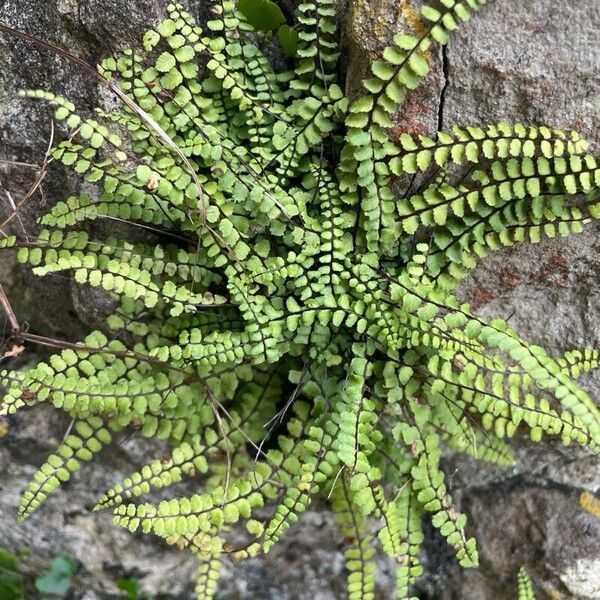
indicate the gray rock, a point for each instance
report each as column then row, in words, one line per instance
column 91, row 30
column 530, row 61
column 66, row 526
column 535, row 61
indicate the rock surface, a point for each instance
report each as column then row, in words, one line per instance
column 535, row 61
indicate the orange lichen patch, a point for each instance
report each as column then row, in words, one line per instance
column 419, row 113
column 510, row 278
column 590, row 504
column 552, row 592
column 412, row 19
column 420, row 109
column 416, row 118
column 555, row 270
column 479, row 296
column 374, row 22
column 558, row 259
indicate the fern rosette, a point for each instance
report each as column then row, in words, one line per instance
column 291, row 330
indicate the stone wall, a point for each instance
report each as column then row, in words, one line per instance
column 535, row 61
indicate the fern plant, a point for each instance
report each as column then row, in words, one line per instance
column 291, row 329
column 524, row 586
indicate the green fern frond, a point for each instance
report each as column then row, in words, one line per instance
column 360, row 552
column 577, row 362
column 525, row 587
column 85, row 439
column 288, row 327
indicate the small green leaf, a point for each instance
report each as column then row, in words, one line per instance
column 288, row 40
column 171, row 80
column 57, row 579
column 165, row 62
column 61, row 113
column 263, row 15
column 151, row 38
column 184, row 54
column 11, row 584
column 131, row 587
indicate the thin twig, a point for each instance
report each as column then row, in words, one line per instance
column 10, row 314
column 15, row 210
column 18, row 163
column 69, row 429
column 225, row 437
column 36, row 184
column 133, row 106
column 148, row 227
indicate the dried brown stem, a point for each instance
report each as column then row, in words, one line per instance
column 41, row 174
column 10, row 313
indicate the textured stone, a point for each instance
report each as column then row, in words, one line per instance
column 90, row 29
column 308, row 563
column 368, row 27
column 535, row 61
column 65, row 526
